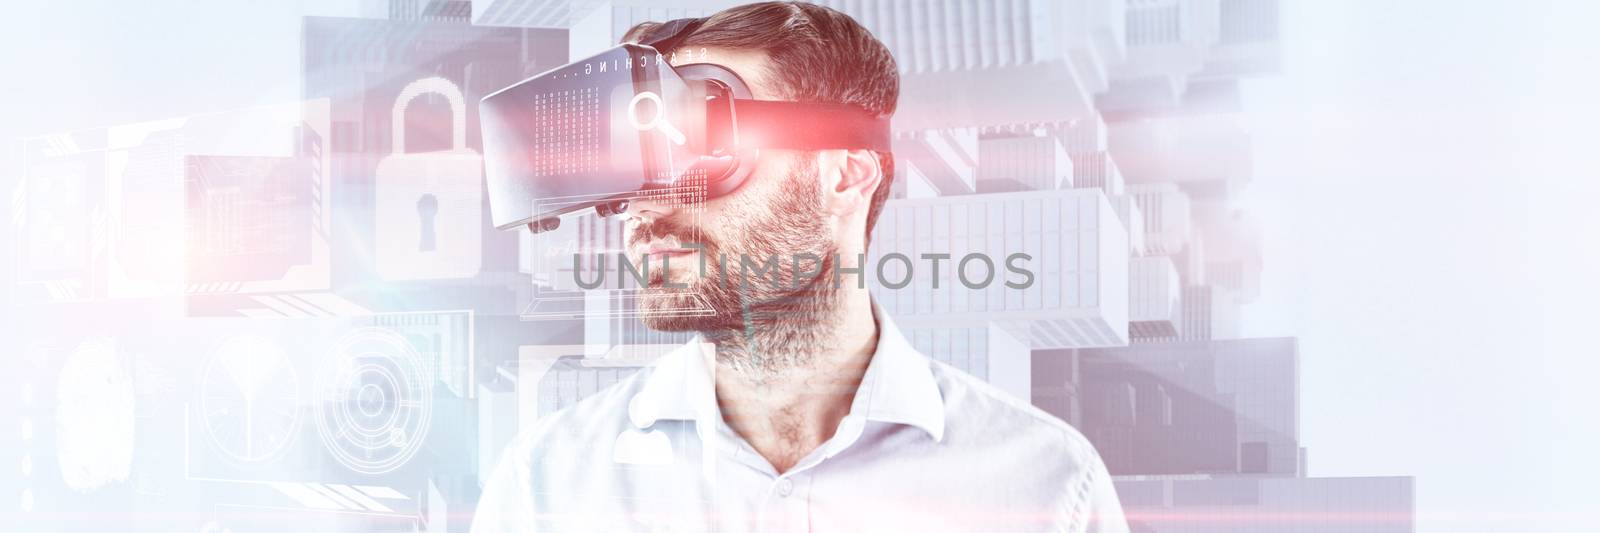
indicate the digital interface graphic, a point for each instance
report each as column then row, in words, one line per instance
column 1287, row 266
column 428, row 215
column 95, row 417
column 247, row 217
column 586, row 247
column 565, row 142
column 376, row 398
column 250, row 399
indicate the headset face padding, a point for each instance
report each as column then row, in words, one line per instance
column 724, row 172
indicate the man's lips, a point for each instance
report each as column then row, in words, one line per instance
column 669, row 253
column 656, row 253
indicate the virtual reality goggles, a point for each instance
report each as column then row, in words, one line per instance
column 626, row 123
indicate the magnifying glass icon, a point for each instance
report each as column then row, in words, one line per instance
column 657, row 119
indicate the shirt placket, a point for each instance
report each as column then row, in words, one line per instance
column 787, row 505
column 785, row 501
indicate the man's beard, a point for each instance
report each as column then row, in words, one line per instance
column 761, row 323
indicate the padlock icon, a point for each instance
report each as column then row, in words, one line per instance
column 430, row 205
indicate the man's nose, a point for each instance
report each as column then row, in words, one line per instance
column 646, row 209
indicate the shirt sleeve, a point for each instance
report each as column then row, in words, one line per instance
column 506, row 505
column 1101, row 507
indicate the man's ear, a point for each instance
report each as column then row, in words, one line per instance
column 856, row 176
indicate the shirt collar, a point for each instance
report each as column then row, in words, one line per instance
column 679, row 387
column 898, row 386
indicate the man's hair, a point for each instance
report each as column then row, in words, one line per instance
column 816, row 54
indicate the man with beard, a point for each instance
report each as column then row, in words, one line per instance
column 800, row 406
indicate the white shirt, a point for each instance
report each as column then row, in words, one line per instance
column 925, row 447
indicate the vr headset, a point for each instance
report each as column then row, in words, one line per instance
column 626, row 123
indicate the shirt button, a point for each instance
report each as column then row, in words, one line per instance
column 785, row 488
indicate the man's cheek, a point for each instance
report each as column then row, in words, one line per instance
column 694, row 267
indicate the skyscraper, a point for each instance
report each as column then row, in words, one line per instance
column 1203, row 407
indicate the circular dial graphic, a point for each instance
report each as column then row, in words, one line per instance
column 375, row 401
column 249, row 399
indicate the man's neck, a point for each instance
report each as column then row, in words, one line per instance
column 785, row 382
